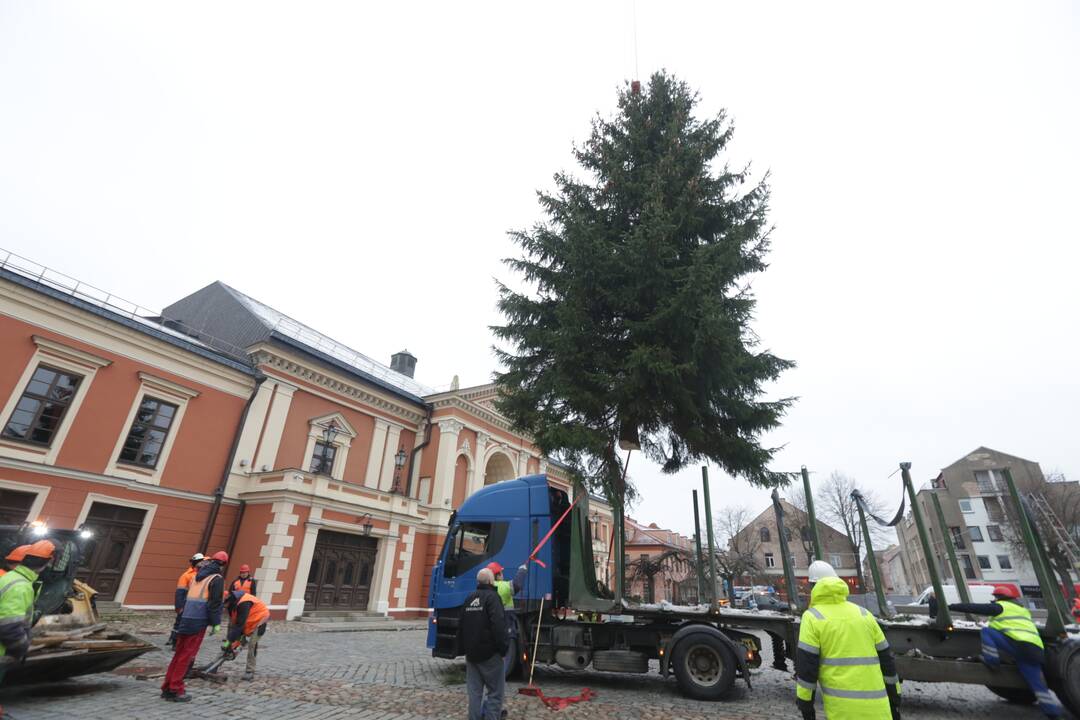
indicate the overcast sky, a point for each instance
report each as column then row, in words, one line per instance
column 357, row 166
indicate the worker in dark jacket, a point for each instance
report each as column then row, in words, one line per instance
column 482, row 636
column 507, row 590
column 244, row 582
column 202, row 610
column 1012, row 634
column 247, row 622
column 180, row 597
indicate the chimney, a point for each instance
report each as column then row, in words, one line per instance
column 403, row 362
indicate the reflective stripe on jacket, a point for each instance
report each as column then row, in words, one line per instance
column 843, row 650
column 1015, row 621
column 17, row 595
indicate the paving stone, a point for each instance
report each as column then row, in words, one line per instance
column 308, row 675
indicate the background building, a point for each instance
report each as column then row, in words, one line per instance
column 973, row 500
column 765, row 542
column 673, row 579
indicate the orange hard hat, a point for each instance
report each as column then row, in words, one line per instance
column 41, row 549
column 1006, row 591
column 495, row 567
column 17, row 553
column 221, row 556
column 245, row 568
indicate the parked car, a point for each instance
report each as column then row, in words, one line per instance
column 766, row 602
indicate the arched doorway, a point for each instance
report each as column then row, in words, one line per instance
column 498, row 468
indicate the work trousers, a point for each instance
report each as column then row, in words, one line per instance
column 481, row 676
column 997, row 646
column 253, row 647
column 187, row 647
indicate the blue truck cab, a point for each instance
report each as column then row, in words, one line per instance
column 501, row 523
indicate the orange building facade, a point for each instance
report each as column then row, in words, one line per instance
column 333, row 476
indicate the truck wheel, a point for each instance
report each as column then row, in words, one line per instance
column 704, row 666
column 511, row 660
column 1067, row 686
column 1018, row 696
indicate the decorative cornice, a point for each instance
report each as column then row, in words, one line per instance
column 167, row 386
column 451, row 426
column 488, row 416
column 348, row 390
column 81, row 357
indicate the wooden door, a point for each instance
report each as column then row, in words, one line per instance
column 15, row 507
column 341, row 571
column 115, row 529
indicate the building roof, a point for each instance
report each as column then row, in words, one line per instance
column 70, row 291
column 982, row 449
column 220, row 312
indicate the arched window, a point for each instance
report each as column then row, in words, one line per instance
column 765, row 535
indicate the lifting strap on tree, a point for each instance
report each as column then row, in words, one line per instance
column 543, row 541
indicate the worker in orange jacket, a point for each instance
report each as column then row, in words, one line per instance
column 183, row 584
column 244, row 582
column 248, row 616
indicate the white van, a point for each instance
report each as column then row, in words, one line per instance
column 978, row 593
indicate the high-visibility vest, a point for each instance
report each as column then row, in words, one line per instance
column 186, row 578
column 17, row 597
column 242, row 584
column 847, row 638
column 1015, row 622
column 258, row 614
column 196, row 607
column 506, row 593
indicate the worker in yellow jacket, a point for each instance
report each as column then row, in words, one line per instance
column 843, row 651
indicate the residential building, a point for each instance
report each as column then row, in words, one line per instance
column 890, row 562
column 223, row 423
column 971, row 492
column 676, row 579
column 766, row 540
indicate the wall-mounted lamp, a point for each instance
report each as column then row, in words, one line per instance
column 365, row 521
column 399, row 462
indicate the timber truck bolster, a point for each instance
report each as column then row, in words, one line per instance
column 571, row 619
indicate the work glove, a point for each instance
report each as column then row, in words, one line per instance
column 806, row 707
column 523, row 566
column 225, row 644
column 215, row 629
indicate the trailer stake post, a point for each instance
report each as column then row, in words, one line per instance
column 944, row 618
column 879, row 590
column 709, row 534
column 789, row 572
column 700, row 557
column 810, row 512
column 1055, row 612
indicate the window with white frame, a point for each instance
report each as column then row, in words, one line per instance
column 975, row 533
column 42, row 407
column 1004, row 562
column 994, row 533
column 153, row 423
column 984, row 562
column 965, row 505
column 322, row 458
column 148, row 432
column 836, row 560
column 770, row 561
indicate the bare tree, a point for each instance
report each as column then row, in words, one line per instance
column 837, row 508
column 738, row 544
column 647, row 567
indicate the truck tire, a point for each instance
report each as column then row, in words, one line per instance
column 704, row 666
column 1017, row 696
column 1065, row 681
column 512, row 659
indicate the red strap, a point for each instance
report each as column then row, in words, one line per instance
column 532, row 555
column 558, row 703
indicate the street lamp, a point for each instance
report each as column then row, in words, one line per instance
column 399, row 462
column 330, row 432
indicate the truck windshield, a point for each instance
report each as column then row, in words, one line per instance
column 472, row 543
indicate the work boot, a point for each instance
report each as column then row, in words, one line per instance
column 166, row 694
column 249, row 676
column 502, row 714
column 179, row 698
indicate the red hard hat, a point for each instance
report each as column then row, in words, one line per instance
column 1006, row 591
column 41, row 549
column 495, row 567
column 221, row 556
column 17, row 554
column 245, row 568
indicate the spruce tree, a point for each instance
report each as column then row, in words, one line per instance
column 636, row 323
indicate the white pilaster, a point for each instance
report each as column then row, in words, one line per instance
column 380, row 592
column 386, row 477
column 375, row 457
column 275, row 426
column 253, row 423
column 303, row 566
column 447, row 460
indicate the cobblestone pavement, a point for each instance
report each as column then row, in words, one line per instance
column 306, row 675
